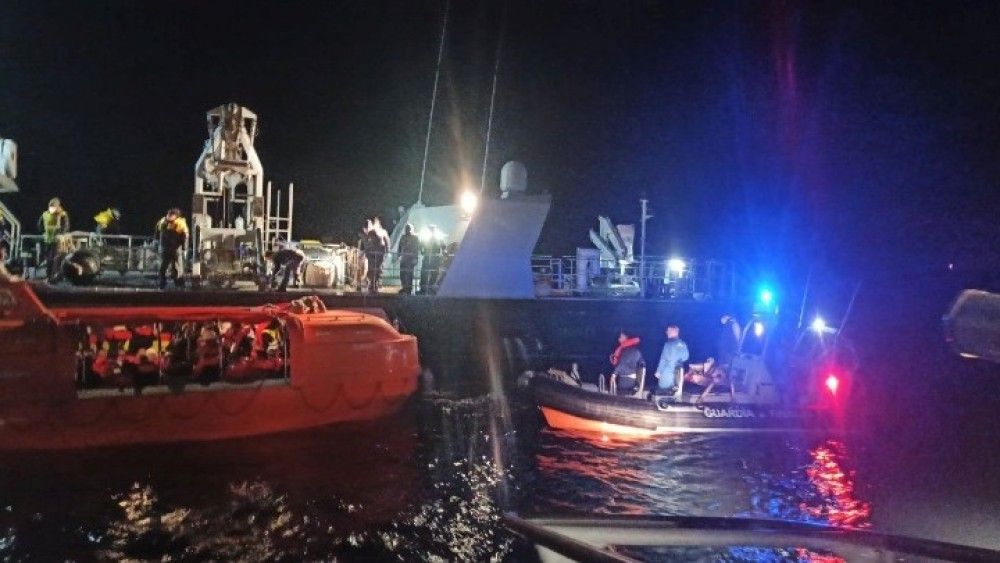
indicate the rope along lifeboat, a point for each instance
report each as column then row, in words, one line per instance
column 80, row 377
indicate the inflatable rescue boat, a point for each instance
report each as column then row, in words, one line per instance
column 80, row 377
column 579, row 409
column 746, row 397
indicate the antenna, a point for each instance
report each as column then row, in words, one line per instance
column 430, row 118
column 644, row 202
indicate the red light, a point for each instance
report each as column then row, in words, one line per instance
column 832, row 383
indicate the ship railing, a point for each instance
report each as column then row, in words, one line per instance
column 121, row 253
column 655, row 277
column 427, row 274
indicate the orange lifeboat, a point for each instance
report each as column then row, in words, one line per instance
column 81, row 377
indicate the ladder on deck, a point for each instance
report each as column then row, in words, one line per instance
column 277, row 227
column 13, row 236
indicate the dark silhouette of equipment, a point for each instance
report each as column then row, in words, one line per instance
column 81, row 267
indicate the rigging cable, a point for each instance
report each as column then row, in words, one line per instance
column 430, row 118
column 493, row 98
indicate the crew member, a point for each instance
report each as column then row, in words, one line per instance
column 447, row 256
column 670, row 370
column 728, row 344
column 287, row 259
column 172, row 232
column 107, row 221
column 375, row 244
column 53, row 222
column 432, row 247
column 409, row 248
column 628, row 362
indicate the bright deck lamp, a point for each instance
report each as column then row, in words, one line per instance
column 468, row 202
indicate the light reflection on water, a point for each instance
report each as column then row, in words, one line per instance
column 772, row 476
column 421, row 487
column 835, row 485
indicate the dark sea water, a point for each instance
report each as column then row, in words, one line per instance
column 432, row 482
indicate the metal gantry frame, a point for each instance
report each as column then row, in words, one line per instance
column 277, row 227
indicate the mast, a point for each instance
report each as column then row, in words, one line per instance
column 642, row 244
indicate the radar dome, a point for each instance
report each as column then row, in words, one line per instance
column 513, row 178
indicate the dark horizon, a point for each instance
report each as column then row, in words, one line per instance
column 787, row 136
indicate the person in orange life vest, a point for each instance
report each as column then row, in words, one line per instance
column 108, row 362
column 627, row 362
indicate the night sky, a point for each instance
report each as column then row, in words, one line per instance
column 778, row 133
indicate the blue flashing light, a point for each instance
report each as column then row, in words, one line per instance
column 766, row 296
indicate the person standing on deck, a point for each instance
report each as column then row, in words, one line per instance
column 172, row 232
column 375, row 244
column 432, row 247
column 409, row 248
column 670, row 370
column 106, row 221
column 728, row 344
column 628, row 362
column 53, row 222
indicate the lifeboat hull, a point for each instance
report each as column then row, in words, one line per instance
column 342, row 366
column 574, row 409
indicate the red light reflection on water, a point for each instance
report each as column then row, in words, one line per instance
column 836, row 485
column 814, row 557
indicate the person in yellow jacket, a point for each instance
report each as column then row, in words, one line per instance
column 172, row 232
column 53, row 222
column 107, row 221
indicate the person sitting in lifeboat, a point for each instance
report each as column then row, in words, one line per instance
column 142, row 365
column 628, row 364
column 270, row 339
column 86, row 354
column 208, row 356
column 178, row 357
column 243, row 363
column 271, row 349
column 109, row 358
